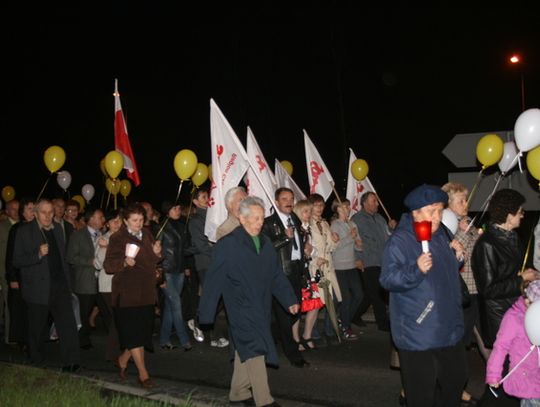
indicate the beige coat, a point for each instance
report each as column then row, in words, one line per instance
column 323, row 246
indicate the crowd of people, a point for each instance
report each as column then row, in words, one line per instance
column 61, row 267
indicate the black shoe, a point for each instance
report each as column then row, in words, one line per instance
column 300, row 363
column 88, row 346
column 71, row 369
column 247, row 402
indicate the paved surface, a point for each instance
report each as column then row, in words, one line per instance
column 353, row 373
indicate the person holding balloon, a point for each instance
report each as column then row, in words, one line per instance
column 514, row 339
column 496, row 262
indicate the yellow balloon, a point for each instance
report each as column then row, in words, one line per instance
column 359, row 169
column 185, row 164
column 54, row 157
column 113, row 186
column 125, row 187
column 81, row 201
column 8, row 193
column 533, row 162
column 201, row 175
column 102, row 167
column 489, row 150
column 287, row 166
column 210, row 176
column 114, row 163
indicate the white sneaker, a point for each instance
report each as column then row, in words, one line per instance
column 220, row 343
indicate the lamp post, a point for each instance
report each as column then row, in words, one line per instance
column 515, row 60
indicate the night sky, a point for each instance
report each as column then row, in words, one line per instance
column 393, row 84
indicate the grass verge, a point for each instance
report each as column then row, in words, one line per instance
column 28, row 386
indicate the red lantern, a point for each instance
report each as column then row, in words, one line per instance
column 423, row 233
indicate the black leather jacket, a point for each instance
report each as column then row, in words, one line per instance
column 496, row 261
column 173, row 248
column 274, row 229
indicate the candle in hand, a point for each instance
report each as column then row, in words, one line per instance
column 423, row 234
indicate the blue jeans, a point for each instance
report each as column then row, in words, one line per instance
column 172, row 310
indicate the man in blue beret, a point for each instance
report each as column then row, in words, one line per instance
column 426, row 317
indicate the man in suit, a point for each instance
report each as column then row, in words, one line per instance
column 80, row 256
column 39, row 253
column 282, row 229
column 12, row 212
column 59, row 211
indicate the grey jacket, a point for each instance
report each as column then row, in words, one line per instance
column 80, row 256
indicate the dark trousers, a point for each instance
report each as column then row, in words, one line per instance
column 62, row 313
column 351, row 294
column 86, row 304
column 374, row 295
column 18, row 325
column 285, row 320
column 112, row 350
column 434, row 377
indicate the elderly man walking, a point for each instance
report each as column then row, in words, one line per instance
column 246, row 271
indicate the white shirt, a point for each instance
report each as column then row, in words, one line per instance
column 295, row 255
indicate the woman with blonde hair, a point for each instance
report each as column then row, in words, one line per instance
column 311, row 301
column 324, row 242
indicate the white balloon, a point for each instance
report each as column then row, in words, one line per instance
column 532, row 323
column 64, row 179
column 509, row 158
column 527, row 130
column 450, row 220
column 88, row 192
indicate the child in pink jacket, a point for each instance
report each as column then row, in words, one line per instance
column 512, row 339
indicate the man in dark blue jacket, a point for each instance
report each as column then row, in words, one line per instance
column 245, row 270
column 425, row 303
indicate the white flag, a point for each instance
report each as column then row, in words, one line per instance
column 229, row 164
column 259, row 179
column 320, row 179
column 355, row 189
column 284, row 180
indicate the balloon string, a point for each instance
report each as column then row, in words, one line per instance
column 475, row 187
column 516, row 366
column 108, row 200
column 178, row 193
column 195, row 188
column 484, row 206
column 158, row 234
column 115, row 202
column 527, row 251
column 44, row 186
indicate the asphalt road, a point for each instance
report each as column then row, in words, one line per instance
column 353, row 373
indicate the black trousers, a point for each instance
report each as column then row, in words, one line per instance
column 285, row 320
column 62, row 313
column 434, row 377
column 374, row 295
column 86, row 304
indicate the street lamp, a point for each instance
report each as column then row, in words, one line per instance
column 516, row 60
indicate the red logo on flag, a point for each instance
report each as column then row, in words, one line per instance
column 316, row 170
column 261, row 163
column 219, row 150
